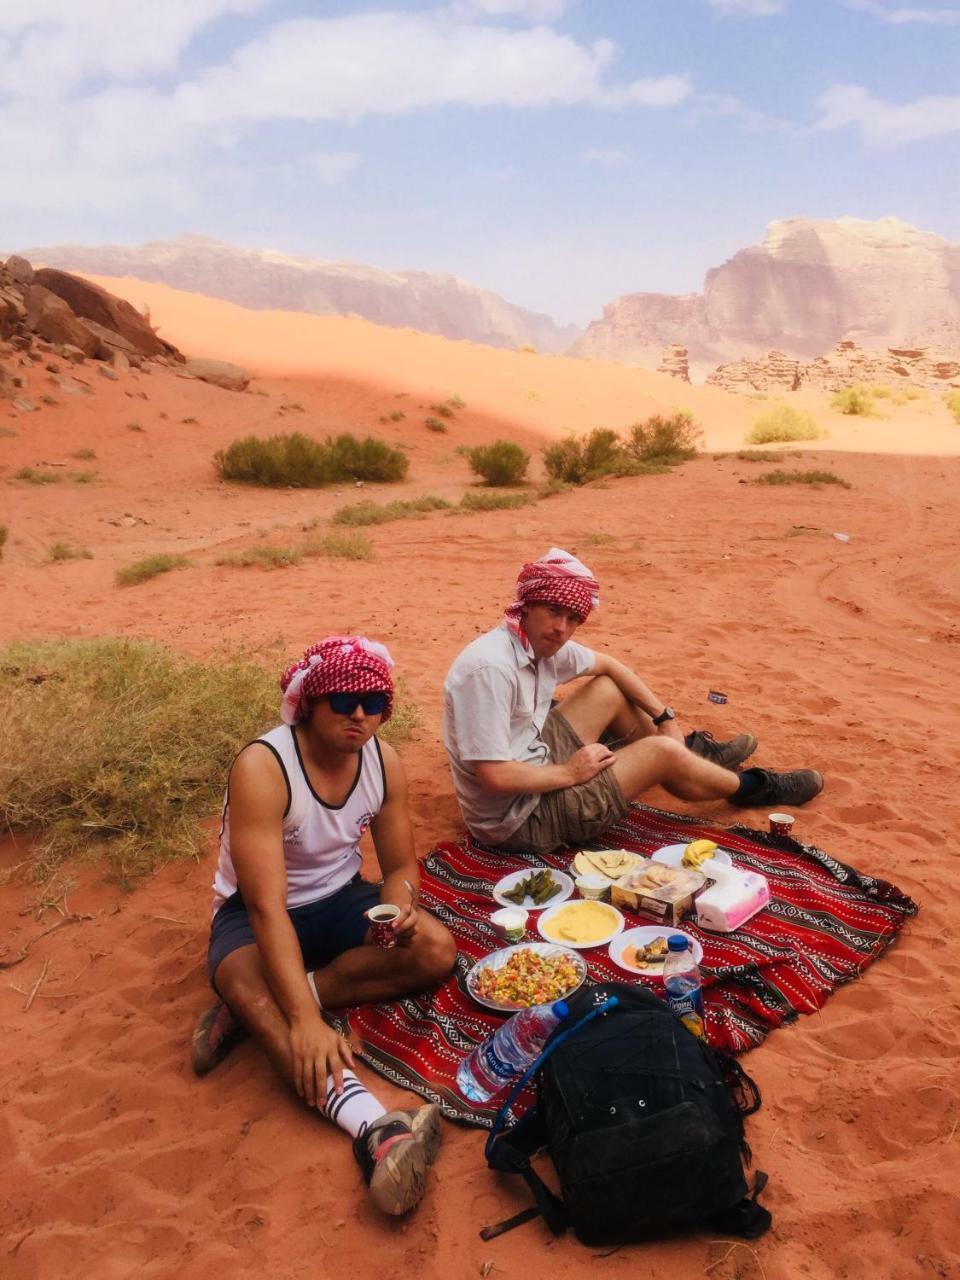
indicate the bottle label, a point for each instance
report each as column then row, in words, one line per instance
column 494, row 1066
column 687, row 1005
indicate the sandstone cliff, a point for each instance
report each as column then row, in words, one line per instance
column 811, row 284
column 265, row 280
column 845, row 365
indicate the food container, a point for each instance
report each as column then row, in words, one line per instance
column 592, row 887
column 730, row 901
column 510, row 923
column 665, row 893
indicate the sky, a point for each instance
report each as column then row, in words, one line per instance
column 559, row 152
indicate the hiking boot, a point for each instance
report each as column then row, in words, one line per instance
column 394, row 1155
column 726, row 754
column 216, row 1033
column 774, row 790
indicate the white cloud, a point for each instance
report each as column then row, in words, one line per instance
column 731, row 107
column 332, row 167
column 747, row 8
column 900, row 16
column 528, row 10
column 887, row 124
column 608, row 157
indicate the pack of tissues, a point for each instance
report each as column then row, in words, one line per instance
column 733, row 897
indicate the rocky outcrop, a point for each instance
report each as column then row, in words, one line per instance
column 221, row 373
column 674, row 362
column 810, row 284
column 846, row 365
column 263, row 279
column 128, row 329
column 773, row 372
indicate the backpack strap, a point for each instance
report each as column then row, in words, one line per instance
column 509, row 1151
column 748, row 1219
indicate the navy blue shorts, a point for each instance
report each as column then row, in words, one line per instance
column 324, row 929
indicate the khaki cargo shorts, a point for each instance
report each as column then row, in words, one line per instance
column 571, row 815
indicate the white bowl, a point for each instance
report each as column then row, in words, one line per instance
column 510, row 923
column 616, row 925
column 592, row 887
column 528, row 904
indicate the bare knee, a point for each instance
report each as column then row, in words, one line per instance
column 434, row 954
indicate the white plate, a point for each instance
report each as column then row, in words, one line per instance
column 497, row 959
column 528, row 904
column 642, row 936
column 616, row 924
column 671, row 855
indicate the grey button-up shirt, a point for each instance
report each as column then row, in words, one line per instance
column 496, row 699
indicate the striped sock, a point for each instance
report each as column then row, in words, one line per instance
column 355, row 1109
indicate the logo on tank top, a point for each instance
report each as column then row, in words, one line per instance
column 364, row 822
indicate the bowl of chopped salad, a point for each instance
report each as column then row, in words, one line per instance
column 525, row 975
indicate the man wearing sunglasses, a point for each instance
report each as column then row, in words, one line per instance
column 290, row 936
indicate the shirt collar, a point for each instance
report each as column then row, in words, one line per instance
column 523, row 658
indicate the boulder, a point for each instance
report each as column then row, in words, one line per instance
column 6, row 384
column 92, row 303
column 20, row 269
column 218, row 372
column 50, row 316
column 674, row 361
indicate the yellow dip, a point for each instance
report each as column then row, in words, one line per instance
column 580, row 922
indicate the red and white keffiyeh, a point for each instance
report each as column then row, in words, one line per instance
column 338, row 664
column 557, row 578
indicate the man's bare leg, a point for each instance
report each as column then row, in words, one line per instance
column 663, row 762
column 598, row 706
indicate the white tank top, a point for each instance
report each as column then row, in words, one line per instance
column 320, row 841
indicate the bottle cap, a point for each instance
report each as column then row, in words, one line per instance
column 561, row 1008
column 677, row 942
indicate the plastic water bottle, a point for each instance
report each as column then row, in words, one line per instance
column 681, row 977
column 509, row 1051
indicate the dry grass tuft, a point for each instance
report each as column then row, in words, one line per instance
column 142, row 570
column 363, row 513
column 64, row 551
column 802, row 477
column 782, row 424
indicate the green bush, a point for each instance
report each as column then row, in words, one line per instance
column 952, row 401
column 784, row 423
column 434, row 424
column 33, row 475
column 456, row 402
column 502, row 462
column 667, row 440
column 442, row 410
column 856, row 401
column 142, row 570
column 84, row 455
column 297, row 461
column 64, row 551
column 340, row 546
column 802, row 477
column 761, row 455
column 486, row 500
column 265, row 557
column 361, row 513
column 581, row 458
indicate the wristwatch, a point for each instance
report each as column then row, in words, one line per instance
column 666, row 714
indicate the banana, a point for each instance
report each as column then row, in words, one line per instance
column 697, row 852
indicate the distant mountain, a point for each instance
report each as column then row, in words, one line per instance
column 265, row 280
column 811, row 284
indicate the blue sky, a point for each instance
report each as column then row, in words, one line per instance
column 560, row 152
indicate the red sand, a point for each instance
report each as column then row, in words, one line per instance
column 842, row 655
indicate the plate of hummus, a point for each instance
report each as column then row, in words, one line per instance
column 581, row 924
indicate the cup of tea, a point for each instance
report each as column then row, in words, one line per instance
column 781, row 824
column 381, row 920
column 510, row 923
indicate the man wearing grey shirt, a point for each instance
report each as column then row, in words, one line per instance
column 531, row 778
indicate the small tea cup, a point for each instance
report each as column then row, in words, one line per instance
column 592, row 887
column 510, row 923
column 781, row 824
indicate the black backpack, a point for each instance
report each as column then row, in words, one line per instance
column 643, row 1122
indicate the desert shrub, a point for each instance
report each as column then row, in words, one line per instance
column 34, row 475
column 456, row 402
column 134, row 426
column 856, row 401
column 784, row 423
column 340, row 546
column 84, row 455
column 502, row 462
column 952, row 401
column 141, row 570
column 581, row 458
column 361, row 513
column 188, row 421
column 667, row 440
column 553, row 488
column 296, row 460
column 7, row 433
column 442, row 410
column 434, row 424
column 487, row 500
column 64, row 551
column 265, row 557
column 881, row 393
column 81, row 477
column 765, row 455
column 802, row 477
column 397, row 416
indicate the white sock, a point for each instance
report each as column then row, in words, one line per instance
column 312, row 984
column 355, row 1109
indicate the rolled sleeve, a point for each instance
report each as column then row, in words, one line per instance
column 573, row 660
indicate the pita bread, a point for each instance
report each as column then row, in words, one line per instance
column 612, row 863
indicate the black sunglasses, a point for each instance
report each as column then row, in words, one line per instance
column 345, row 704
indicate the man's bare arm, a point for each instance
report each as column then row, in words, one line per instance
column 635, row 691
column 519, row 777
column 393, row 840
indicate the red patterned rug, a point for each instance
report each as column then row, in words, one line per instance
column 824, row 925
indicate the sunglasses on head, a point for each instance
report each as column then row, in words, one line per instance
column 345, row 704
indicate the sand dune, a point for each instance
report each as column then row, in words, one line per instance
column 843, row 655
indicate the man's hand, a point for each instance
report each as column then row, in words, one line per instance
column 588, row 762
column 318, row 1052
column 405, row 925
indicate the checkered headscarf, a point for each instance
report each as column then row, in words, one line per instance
column 557, row 578
column 338, row 664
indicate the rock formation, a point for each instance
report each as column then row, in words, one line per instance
column 674, row 362
column 263, row 279
column 846, row 365
column 50, row 313
column 810, row 284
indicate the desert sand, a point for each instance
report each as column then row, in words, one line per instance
column 842, row 655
